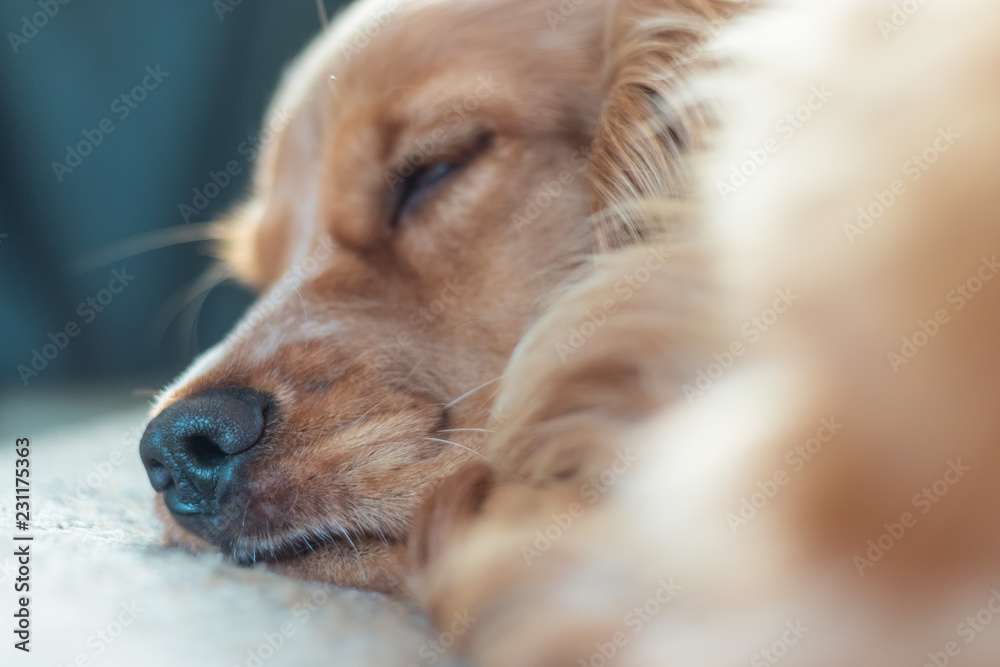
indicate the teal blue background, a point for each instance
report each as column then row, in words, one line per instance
column 62, row 82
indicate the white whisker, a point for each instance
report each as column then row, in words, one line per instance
column 305, row 311
column 472, row 391
column 415, row 366
column 244, row 525
column 344, row 532
column 364, row 415
column 449, row 442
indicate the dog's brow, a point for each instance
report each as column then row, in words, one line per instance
column 441, row 142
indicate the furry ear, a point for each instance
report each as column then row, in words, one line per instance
column 276, row 226
column 447, row 509
column 258, row 239
column 567, row 401
column 252, row 250
column 651, row 119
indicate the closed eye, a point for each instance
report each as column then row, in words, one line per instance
column 425, row 179
column 419, row 183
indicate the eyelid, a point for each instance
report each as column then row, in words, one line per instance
column 458, row 154
column 429, row 150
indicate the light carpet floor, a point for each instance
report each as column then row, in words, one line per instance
column 105, row 593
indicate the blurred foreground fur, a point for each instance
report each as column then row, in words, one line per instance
column 821, row 491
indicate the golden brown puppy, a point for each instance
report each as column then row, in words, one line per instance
column 444, row 167
column 759, row 427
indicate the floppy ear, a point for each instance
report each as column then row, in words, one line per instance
column 651, row 119
column 446, row 511
column 253, row 250
column 276, row 226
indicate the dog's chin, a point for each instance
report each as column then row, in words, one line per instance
column 375, row 563
column 368, row 564
column 175, row 535
column 275, row 548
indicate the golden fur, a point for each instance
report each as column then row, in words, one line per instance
column 611, row 467
column 881, row 547
column 381, row 333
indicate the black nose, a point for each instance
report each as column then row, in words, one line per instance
column 191, row 448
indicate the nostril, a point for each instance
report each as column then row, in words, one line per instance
column 204, row 452
column 159, row 477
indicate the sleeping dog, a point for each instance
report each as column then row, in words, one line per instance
column 507, row 252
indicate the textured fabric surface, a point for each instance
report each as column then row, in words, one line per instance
column 103, row 590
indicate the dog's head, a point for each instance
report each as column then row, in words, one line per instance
column 432, row 174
